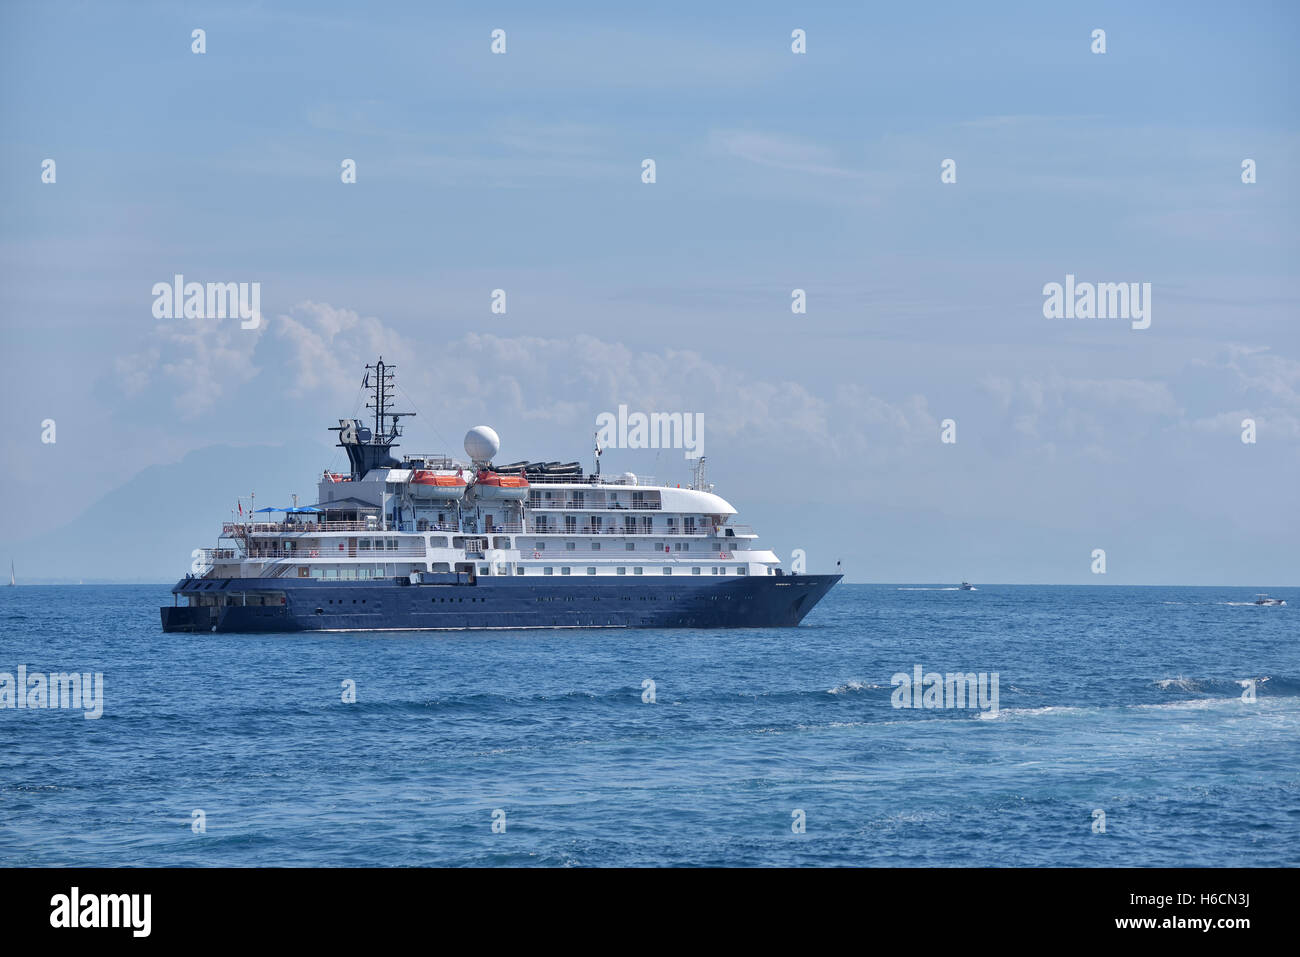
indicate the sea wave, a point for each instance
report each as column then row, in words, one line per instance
column 1273, row 685
column 1030, row 712
column 852, row 686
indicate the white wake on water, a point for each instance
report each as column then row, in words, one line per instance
column 851, row 686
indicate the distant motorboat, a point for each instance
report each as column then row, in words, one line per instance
column 1263, row 599
column 967, row 586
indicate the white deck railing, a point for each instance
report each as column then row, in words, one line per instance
column 554, row 505
column 365, row 554
column 623, row 556
column 301, row 534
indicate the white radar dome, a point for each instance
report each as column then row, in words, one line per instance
column 482, row 443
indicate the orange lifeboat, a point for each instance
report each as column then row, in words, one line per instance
column 492, row 486
column 446, row 486
column 337, row 477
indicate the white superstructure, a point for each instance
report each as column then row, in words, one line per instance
column 433, row 514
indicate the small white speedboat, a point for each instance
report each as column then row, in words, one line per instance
column 1265, row 600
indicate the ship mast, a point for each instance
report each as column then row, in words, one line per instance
column 366, row 449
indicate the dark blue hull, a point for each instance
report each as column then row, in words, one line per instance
column 495, row 602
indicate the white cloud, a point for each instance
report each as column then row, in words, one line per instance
column 196, row 361
column 327, row 348
column 312, row 358
column 1072, row 407
column 316, row 351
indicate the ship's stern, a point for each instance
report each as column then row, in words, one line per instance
column 186, row 618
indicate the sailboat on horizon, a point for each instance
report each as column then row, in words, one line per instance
column 12, row 582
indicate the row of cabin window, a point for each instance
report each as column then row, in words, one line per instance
column 595, row 546
column 380, row 544
column 580, row 495
column 347, row 573
column 630, row 524
column 628, row 546
column 364, row 544
column 620, row 570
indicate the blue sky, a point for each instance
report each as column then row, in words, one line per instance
column 774, row 172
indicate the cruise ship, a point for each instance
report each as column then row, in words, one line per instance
column 427, row 542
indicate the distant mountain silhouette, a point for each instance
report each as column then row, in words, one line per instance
column 145, row 530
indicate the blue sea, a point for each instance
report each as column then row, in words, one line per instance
column 1123, row 701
